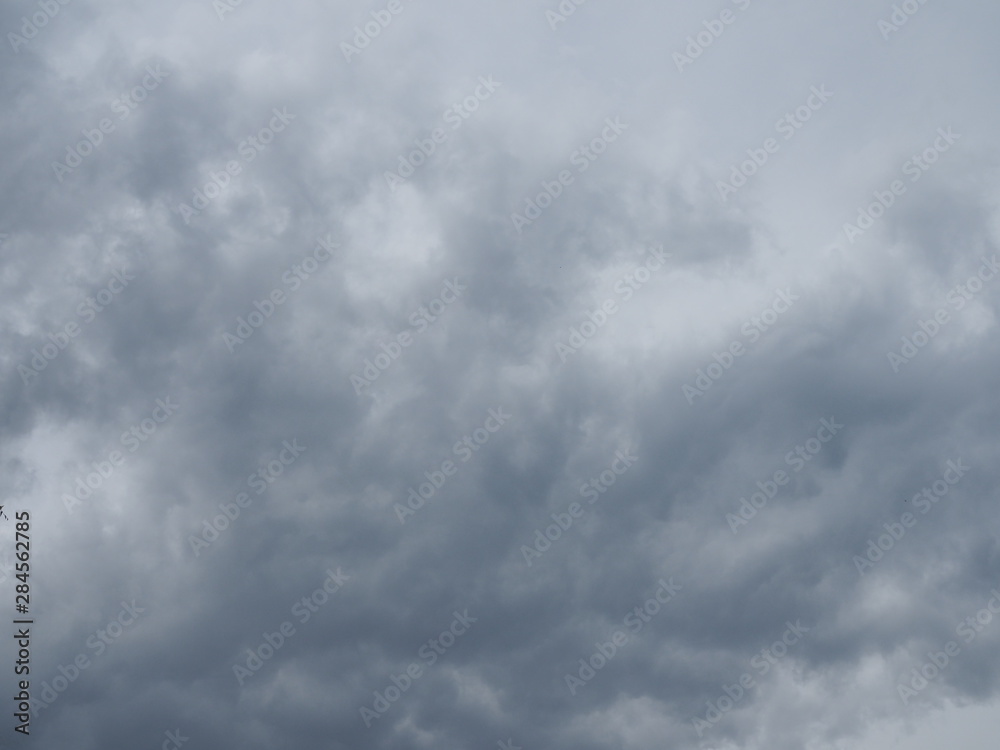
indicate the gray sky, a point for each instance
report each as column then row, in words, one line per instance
column 407, row 375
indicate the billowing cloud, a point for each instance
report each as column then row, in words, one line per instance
column 566, row 375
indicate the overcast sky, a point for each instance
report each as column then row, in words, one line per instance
column 407, row 375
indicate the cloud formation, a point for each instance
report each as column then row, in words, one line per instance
column 547, row 375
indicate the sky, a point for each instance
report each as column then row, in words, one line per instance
column 406, row 375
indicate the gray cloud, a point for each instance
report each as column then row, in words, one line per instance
column 217, row 532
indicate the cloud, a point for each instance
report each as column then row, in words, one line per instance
column 259, row 144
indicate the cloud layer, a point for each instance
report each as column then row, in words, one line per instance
column 560, row 375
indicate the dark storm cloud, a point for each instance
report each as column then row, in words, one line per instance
column 479, row 433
